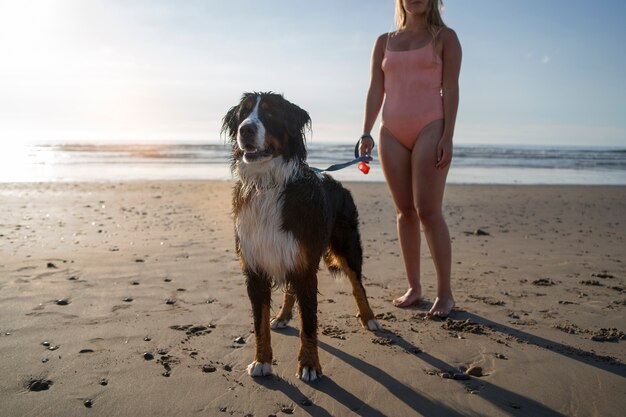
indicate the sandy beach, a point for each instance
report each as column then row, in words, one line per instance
column 126, row 299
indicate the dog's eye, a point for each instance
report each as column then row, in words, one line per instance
column 265, row 108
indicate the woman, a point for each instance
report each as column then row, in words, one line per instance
column 416, row 71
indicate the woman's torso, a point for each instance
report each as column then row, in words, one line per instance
column 411, row 75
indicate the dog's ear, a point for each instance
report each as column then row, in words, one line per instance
column 298, row 121
column 230, row 122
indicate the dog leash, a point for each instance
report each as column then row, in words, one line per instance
column 336, row 167
column 363, row 162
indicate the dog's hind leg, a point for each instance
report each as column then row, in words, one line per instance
column 353, row 271
column 305, row 288
column 260, row 294
column 284, row 315
column 365, row 315
column 346, row 254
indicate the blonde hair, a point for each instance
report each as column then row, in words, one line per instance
column 433, row 15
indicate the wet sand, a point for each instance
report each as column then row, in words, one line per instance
column 126, row 299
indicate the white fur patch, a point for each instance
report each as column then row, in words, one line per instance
column 278, row 324
column 259, row 369
column 275, row 173
column 308, row 374
column 265, row 246
column 374, row 325
column 253, row 117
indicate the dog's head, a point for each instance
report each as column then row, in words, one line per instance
column 264, row 126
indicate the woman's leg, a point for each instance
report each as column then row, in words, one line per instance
column 395, row 160
column 428, row 188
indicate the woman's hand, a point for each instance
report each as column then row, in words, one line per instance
column 366, row 144
column 444, row 152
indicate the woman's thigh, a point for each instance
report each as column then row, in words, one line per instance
column 428, row 181
column 395, row 160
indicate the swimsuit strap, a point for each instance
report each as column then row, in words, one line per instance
column 432, row 42
column 439, row 31
column 387, row 43
column 390, row 33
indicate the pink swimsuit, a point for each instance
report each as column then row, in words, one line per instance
column 413, row 81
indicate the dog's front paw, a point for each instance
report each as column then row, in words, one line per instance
column 374, row 325
column 259, row 369
column 278, row 324
column 309, row 374
column 370, row 324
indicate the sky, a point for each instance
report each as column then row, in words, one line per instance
column 534, row 72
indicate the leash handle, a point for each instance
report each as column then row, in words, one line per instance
column 363, row 165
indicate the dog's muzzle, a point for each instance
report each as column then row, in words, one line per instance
column 249, row 142
column 248, row 131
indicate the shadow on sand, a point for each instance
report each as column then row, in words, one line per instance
column 507, row 401
column 604, row 363
column 326, row 385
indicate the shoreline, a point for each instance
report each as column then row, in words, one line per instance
column 534, row 299
column 472, row 164
column 13, row 184
column 173, row 172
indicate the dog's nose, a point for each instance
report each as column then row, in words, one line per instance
column 247, row 130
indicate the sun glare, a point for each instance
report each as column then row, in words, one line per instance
column 20, row 162
column 62, row 75
column 25, row 32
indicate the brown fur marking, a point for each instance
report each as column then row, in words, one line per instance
column 264, row 339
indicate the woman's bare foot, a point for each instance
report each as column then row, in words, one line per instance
column 411, row 297
column 442, row 307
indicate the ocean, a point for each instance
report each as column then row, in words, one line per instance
column 472, row 164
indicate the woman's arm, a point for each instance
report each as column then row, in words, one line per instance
column 375, row 93
column 451, row 57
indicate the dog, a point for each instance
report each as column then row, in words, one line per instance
column 287, row 218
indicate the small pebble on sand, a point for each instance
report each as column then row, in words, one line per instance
column 475, row 371
column 38, row 384
column 286, row 409
column 208, row 368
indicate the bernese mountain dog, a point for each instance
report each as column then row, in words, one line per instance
column 287, row 218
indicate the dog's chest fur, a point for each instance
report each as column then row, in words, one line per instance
column 264, row 244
